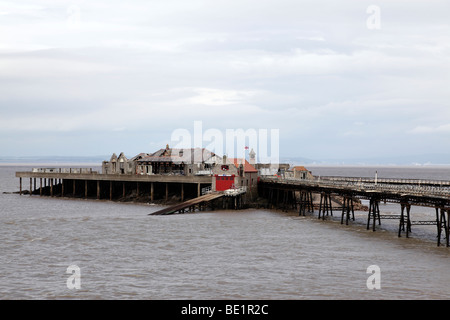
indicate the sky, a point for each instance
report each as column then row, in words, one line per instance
column 343, row 79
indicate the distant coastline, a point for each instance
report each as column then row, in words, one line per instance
column 50, row 164
column 52, row 161
column 441, row 160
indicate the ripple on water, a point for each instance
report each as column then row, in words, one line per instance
column 253, row 254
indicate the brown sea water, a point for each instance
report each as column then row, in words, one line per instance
column 123, row 253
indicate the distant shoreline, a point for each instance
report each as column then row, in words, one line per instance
column 50, row 164
column 99, row 164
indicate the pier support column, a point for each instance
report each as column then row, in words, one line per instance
column 152, row 192
column 40, row 187
column 51, row 187
column 182, row 192
column 443, row 223
column 167, row 191
column 123, row 190
column 98, row 189
column 278, row 197
column 288, row 200
column 110, row 190
column 447, row 229
column 374, row 213
column 310, row 202
column 85, row 189
column 199, row 192
column 347, row 207
column 325, row 205
column 62, row 188
column 31, row 186
column 401, row 226
column 137, row 189
column 73, row 187
column 305, row 203
column 20, row 185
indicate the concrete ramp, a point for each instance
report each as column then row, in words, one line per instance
column 181, row 207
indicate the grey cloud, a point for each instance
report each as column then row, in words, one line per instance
column 141, row 69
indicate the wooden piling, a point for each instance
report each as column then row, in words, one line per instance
column 152, row 192
column 167, row 192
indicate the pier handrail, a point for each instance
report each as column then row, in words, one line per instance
column 386, row 180
column 64, row 170
column 235, row 191
column 412, row 189
column 206, row 190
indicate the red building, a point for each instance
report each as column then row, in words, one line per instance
column 234, row 173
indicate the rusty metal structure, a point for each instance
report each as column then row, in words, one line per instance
column 295, row 193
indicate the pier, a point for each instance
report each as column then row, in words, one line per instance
column 89, row 184
column 328, row 195
column 297, row 194
column 192, row 192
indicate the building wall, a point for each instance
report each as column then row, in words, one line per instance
column 270, row 169
column 250, row 180
column 118, row 165
column 218, row 170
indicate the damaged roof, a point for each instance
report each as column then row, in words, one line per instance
column 186, row 155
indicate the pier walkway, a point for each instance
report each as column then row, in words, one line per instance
column 235, row 195
column 189, row 205
column 289, row 193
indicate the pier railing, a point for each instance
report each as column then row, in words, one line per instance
column 419, row 182
column 236, row 191
column 64, row 170
column 431, row 188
